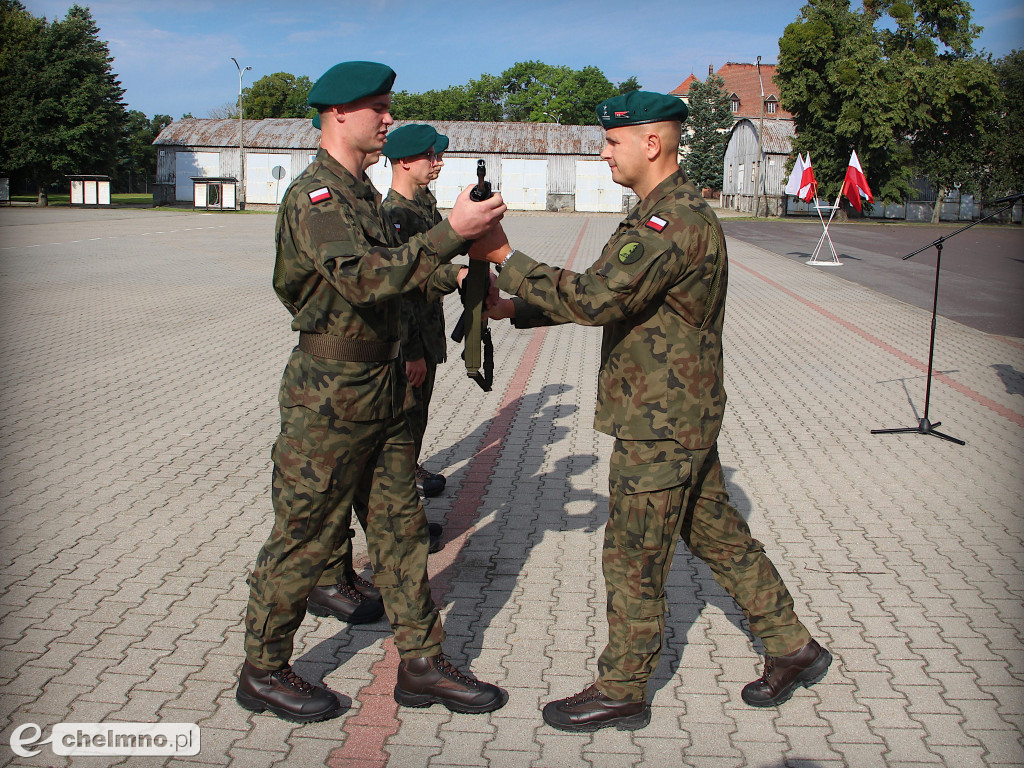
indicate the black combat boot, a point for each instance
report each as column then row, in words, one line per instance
column 782, row 675
column 345, row 603
column 285, row 694
column 435, row 531
column 590, row 710
column 433, row 680
column 428, row 483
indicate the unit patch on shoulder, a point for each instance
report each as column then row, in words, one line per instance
column 656, row 223
column 630, row 253
column 319, row 195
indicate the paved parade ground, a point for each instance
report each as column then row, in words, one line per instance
column 142, row 355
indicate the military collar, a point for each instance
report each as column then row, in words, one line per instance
column 361, row 188
column 646, row 206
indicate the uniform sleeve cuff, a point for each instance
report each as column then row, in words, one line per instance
column 445, row 241
column 514, row 272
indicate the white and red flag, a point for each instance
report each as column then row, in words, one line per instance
column 855, row 185
column 808, row 184
column 793, row 185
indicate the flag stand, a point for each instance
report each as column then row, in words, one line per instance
column 825, row 237
column 924, row 426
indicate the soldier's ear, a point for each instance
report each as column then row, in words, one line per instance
column 652, row 144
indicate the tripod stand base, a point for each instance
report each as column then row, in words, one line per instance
column 923, row 427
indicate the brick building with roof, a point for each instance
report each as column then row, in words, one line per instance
column 754, row 172
column 744, row 89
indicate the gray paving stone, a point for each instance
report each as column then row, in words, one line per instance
column 124, row 561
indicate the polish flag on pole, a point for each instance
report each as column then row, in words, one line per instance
column 793, row 185
column 808, row 184
column 855, row 186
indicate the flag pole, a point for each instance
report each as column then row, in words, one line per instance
column 825, row 237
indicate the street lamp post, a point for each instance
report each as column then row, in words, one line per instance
column 241, row 141
column 760, row 151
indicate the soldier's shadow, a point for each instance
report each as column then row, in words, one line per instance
column 478, row 582
column 474, row 587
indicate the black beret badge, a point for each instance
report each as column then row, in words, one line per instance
column 630, row 253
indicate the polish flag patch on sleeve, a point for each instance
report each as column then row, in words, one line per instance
column 319, row 195
column 656, row 223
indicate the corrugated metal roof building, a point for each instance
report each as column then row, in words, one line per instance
column 536, row 166
column 744, row 163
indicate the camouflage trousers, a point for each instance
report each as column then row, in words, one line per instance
column 417, row 404
column 321, row 465
column 660, row 492
column 417, row 412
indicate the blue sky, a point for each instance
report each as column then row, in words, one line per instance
column 174, row 56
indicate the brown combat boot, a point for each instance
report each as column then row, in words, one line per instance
column 364, row 587
column 590, row 710
column 782, row 675
column 345, row 603
column 433, row 680
column 285, row 694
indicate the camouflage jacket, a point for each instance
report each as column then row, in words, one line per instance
column 338, row 271
column 423, row 335
column 658, row 290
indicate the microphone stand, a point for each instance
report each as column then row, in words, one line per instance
column 924, row 426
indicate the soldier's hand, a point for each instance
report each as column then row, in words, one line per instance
column 502, row 309
column 491, row 246
column 470, row 219
column 416, row 371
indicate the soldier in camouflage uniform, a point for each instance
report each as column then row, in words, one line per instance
column 422, row 337
column 658, row 290
column 343, row 431
column 424, row 345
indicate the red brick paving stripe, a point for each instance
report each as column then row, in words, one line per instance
column 368, row 730
column 963, row 389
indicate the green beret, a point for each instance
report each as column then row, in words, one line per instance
column 441, row 144
column 409, row 140
column 638, row 107
column 344, row 83
column 316, row 121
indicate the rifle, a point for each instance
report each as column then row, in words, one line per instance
column 472, row 325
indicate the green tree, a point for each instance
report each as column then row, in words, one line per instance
column 538, row 92
column 278, row 95
column 460, row 102
column 881, row 80
column 951, row 151
column 1004, row 158
column 137, row 156
column 528, row 91
column 705, row 132
column 629, row 84
column 63, row 111
column 21, row 34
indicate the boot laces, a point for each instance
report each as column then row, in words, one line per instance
column 358, row 580
column 289, row 678
column 590, row 693
column 447, row 669
column 769, row 667
column 351, row 592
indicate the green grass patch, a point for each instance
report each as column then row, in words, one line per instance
column 118, row 198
